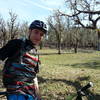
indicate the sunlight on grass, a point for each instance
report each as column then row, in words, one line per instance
column 61, row 75
column 65, row 73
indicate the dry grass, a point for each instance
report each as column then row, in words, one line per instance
column 63, row 74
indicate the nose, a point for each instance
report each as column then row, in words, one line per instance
column 38, row 36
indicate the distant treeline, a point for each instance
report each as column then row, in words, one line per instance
column 61, row 33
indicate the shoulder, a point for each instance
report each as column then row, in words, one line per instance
column 15, row 42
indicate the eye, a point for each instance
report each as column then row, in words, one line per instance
column 39, row 32
column 36, row 31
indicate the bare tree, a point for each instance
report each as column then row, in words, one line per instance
column 13, row 26
column 56, row 24
column 84, row 13
column 24, row 29
column 3, row 32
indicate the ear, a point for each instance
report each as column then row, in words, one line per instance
column 30, row 31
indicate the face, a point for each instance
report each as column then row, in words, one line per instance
column 36, row 36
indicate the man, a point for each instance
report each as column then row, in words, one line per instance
column 22, row 64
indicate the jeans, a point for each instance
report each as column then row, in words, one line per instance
column 20, row 97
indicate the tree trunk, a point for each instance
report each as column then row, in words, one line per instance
column 41, row 45
column 76, row 46
column 98, row 41
column 59, row 47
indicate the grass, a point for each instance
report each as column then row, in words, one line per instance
column 63, row 74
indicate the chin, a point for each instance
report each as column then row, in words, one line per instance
column 37, row 43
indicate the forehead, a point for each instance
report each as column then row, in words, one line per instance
column 38, row 30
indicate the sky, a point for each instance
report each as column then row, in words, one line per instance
column 29, row 10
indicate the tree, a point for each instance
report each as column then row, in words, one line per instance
column 24, row 29
column 84, row 13
column 13, row 26
column 3, row 32
column 56, row 24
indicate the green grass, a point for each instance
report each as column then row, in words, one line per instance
column 61, row 75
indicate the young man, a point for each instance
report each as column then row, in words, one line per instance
column 22, row 64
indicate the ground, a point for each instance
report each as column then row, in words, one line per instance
column 61, row 75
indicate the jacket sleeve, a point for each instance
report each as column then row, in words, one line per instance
column 9, row 49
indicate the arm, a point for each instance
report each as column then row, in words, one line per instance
column 9, row 49
column 4, row 51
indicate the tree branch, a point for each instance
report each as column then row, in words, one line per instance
column 89, row 12
column 97, row 19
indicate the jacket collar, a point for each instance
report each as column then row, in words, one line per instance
column 29, row 45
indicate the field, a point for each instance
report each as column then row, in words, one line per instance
column 61, row 75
